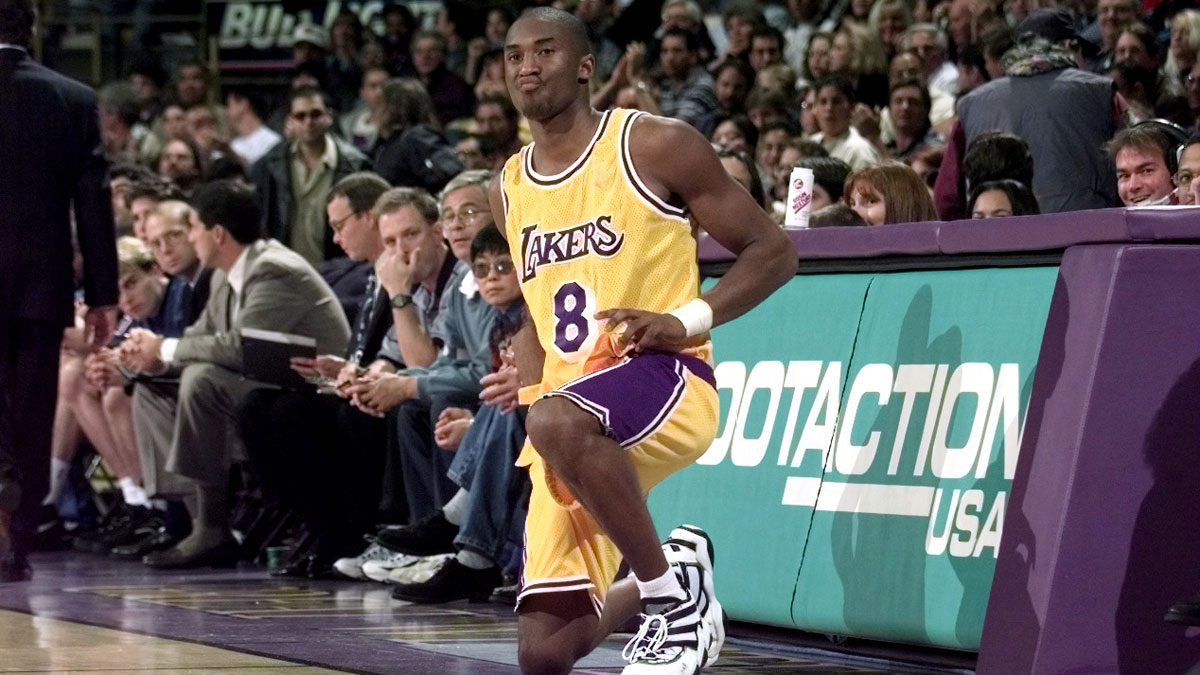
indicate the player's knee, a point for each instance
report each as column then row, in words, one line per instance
column 555, row 425
column 543, row 658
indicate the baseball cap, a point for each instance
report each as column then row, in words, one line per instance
column 1055, row 25
column 312, row 34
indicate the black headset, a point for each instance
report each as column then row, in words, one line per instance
column 1177, row 135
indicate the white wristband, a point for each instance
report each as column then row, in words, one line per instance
column 696, row 317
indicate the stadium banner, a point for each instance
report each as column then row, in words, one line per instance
column 870, row 428
column 256, row 35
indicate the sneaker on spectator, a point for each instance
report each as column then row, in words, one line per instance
column 431, row 536
column 453, row 581
column 380, row 569
column 419, row 570
column 690, row 551
column 352, row 568
column 667, row 642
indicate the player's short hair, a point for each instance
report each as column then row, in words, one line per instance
column 575, row 31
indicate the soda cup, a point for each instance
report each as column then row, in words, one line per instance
column 799, row 198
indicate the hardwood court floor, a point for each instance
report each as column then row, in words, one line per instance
column 87, row 614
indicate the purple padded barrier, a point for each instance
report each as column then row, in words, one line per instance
column 1050, row 232
column 1101, row 533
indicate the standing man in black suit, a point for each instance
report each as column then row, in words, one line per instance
column 51, row 158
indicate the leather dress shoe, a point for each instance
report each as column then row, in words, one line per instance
column 453, row 581
column 1185, row 612
column 156, row 539
column 224, row 554
column 15, row 567
column 431, row 536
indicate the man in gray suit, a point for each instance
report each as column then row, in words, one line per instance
column 188, row 437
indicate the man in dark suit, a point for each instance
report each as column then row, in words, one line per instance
column 289, row 436
column 52, row 158
column 187, row 438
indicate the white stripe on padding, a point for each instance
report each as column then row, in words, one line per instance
column 888, row 500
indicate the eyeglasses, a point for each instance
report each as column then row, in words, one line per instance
column 481, row 269
column 467, row 216
column 308, row 115
column 169, row 239
column 337, row 225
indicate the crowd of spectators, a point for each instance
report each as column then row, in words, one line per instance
column 354, row 211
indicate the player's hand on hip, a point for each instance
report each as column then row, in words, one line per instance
column 645, row 330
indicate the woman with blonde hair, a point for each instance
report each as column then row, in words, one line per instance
column 858, row 56
column 1185, row 45
column 889, row 19
column 889, row 193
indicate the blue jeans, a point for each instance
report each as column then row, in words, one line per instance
column 485, row 466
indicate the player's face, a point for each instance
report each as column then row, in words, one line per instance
column 543, row 69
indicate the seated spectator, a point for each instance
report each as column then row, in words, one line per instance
column 1002, row 198
column 890, row 20
column 889, row 193
column 289, row 435
column 252, row 139
column 344, row 60
column 732, row 82
column 361, row 125
column 166, row 229
column 909, row 106
column 182, row 163
column 1138, row 86
column 996, row 155
column 482, row 524
column 1145, row 159
column 931, row 44
column 475, row 152
column 779, row 78
column 685, row 88
column 766, row 47
column 96, row 391
column 765, row 107
column 829, row 179
column 411, row 151
column 1187, row 187
column 499, row 121
column 209, row 130
column 121, row 177
column 816, row 60
column 972, row 69
column 742, row 169
column 736, row 133
column 293, row 179
column 835, row 215
column 186, row 435
column 834, row 101
column 143, row 196
column 452, row 98
column 121, row 129
column 857, row 55
column 927, row 162
column 794, row 150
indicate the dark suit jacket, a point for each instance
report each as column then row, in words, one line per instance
column 272, row 178
column 50, row 157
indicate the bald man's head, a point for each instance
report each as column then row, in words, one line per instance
column 571, row 29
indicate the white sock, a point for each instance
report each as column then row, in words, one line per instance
column 468, row 558
column 455, row 510
column 663, row 588
column 157, row 504
column 132, row 492
column 59, row 471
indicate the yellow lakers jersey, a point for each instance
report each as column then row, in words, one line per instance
column 590, row 238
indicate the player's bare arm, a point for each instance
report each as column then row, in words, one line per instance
column 680, row 166
column 528, row 355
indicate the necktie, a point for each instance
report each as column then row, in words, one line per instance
column 366, row 313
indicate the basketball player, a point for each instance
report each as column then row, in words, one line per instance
column 596, row 211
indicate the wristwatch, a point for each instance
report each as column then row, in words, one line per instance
column 402, row 300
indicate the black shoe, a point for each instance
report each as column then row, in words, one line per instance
column 15, row 567
column 431, row 536
column 119, row 522
column 224, row 554
column 151, row 540
column 453, row 581
column 1185, row 612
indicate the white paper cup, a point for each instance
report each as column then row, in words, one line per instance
column 799, row 198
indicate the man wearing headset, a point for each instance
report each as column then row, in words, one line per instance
column 1146, row 156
